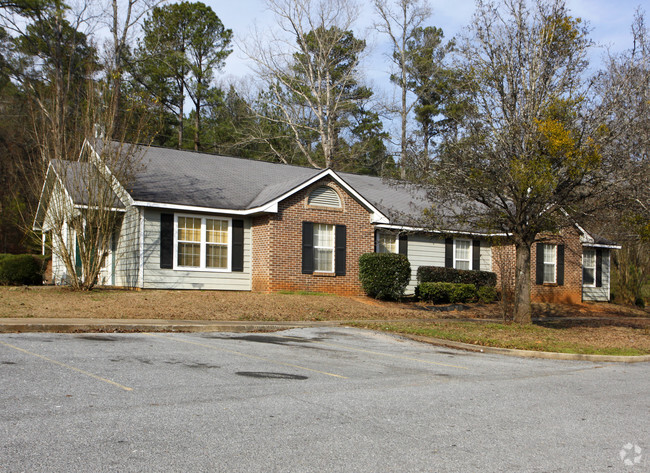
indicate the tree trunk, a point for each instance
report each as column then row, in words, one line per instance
column 522, row 313
column 197, row 125
column 402, row 157
column 180, row 122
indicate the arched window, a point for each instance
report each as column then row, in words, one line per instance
column 324, row 197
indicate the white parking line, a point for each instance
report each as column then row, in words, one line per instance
column 78, row 370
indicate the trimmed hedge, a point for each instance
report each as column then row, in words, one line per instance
column 457, row 276
column 487, row 294
column 384, row 275
column 444, row 292
column 18, row 270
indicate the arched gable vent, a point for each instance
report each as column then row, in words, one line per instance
column 324, row 196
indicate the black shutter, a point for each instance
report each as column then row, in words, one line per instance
column 307, row 248
column 404, row 244
column 166, row 241
column 449, row 252
column 539, row 264
column 376, row 247
column 560, row 265
column 599, row 267
column 340, row 253
column 237, row 245
column 476, row 255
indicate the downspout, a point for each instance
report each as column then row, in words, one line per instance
column 141, row 256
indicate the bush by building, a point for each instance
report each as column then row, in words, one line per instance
column 18, row 270
column 456, row 276
column 445, row 292
column 384, row 275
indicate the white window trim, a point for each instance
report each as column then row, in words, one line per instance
column 333, row 248
column 544, row 263
column 395, row 238
column 203, row 242
column 594, row 267
column 471, row 252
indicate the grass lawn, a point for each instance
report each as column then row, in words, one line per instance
column 193, row 305
column 587, row 338
column 587, row 328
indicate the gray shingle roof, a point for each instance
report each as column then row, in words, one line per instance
column 169, row 176
column 76, row 176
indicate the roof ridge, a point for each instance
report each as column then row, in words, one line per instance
column 206, row 153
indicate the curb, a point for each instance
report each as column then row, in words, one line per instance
column 130, row 327
column 548, row 355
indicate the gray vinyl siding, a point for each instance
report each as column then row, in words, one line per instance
column 59, row 270
column 156, row 278
column 52, row 215
column 599, row 294
column 128, row 250
column 430, row 251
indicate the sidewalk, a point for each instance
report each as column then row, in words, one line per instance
column 75, row 325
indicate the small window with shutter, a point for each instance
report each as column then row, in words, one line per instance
column 324, row 196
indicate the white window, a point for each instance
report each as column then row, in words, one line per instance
column 589, row 268
column 463, row 254
column 387, row 242
column 550, row 259
column 323, row 248
column 202, row 243
column 189, row 242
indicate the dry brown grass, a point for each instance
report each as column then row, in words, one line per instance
column 192, row 305
column 586, row 328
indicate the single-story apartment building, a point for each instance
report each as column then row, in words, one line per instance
column 199, row 221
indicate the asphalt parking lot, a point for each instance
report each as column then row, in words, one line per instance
column 313, row 399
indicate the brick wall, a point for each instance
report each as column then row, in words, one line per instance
column 277, row 244
column 503, row 263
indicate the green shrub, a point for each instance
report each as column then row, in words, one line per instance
column 486, row 294
column 445, row 292
column 436, row 292
column 22, row 269
column 384, row 275
column 463, row 293
column 457, row 276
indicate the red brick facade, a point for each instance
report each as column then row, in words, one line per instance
column 503, row 262
column 277, row 244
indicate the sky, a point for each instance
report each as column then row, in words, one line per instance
column 610, row 21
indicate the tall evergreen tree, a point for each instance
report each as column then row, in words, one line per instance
column 182, row 45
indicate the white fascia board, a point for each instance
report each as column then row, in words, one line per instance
column 84, row 206
column 58, row 178
column 193, row 208
column 585, row 235
column 406, row 228
column 601, row 245
column 377, row 216
column 40, row 209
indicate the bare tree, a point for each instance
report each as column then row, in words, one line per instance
column 400, row 20
column 624, row 85
column 124, row 17
column 529, row 148
column 78, row 152
column 310, row 65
